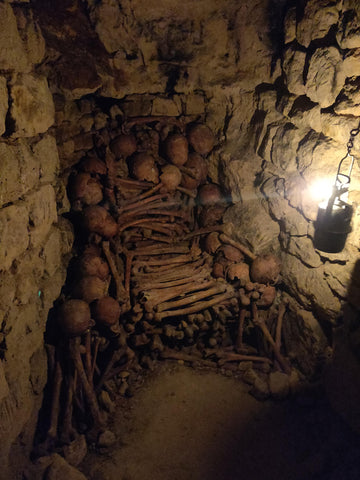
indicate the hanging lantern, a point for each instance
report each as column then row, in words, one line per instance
column 333, row 223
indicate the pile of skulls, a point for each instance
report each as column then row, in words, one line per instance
column 155, row 274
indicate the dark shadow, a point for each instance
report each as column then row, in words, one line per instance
column 342, row 377
column 290, row 440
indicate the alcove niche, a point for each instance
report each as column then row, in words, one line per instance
column 161, row 171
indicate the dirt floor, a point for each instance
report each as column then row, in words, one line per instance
column 184, row 424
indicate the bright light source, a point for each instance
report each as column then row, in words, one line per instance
column 321, row 189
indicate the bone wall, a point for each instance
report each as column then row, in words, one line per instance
column 275, row 102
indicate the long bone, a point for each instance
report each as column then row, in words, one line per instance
column 198, row 307
column 201, row 276
column 144, row 201
column 261, row 324
column 173, row 273
column 75, row 355
column 192, row 297
column 120, row 290
column 153, row 299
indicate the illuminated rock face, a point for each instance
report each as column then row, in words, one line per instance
column 281, row 97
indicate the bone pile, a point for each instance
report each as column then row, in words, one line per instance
column 155, row 276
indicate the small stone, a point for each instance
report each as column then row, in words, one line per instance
column 279, row 384
column 264, row 367
column 60, row 469
column 76, row 451
column 106, row 439
column 244, row 366
column 260, row 389
column 250, row 376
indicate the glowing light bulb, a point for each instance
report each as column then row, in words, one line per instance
column 320, row 190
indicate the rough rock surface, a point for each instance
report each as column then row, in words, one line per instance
column 325, row 76
column 279, row 125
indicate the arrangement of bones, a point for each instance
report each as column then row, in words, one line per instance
column 156, row 275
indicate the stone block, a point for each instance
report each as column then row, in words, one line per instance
column 4, row 103
column 293, row 67
column 19, row 170
column 284, row 146
column 32, row 106
column 7, row 290
column 29, row 271
column 338, row 277
column 85, row 82
column 309, row 287
column 348, row 102
column 303, row 248
column 12, row 52
column 52, row 251
column 319, row 17
column 351, row 64
column 33, row 41
column 83, row 141
column 265, row 148
column 46, row 154
column 290, row 25
column 305, row 113
column 164, row 106
column 194, row 104
column 337, row 127
column 4, row 388
column 14, row 236
column 325, row 77
column 86, row 123
column 42, row 213
column 38, row 370
column 51, row 288
column 253, row 225
column 348, row 33
column 100, row 120
column 137, row 106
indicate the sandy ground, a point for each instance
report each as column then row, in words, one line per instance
column 185, row 424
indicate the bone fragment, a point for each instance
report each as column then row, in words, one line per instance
column 261, row 324
column 226, row 239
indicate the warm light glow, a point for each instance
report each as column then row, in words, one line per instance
column 321, row 189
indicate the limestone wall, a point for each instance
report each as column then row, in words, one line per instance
column 276, row 84
column 281, row 98
column 303, row 122
column 31, row 241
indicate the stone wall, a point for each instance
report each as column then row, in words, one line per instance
column 302, row 125
column 276, row 84
column 71, row 72
column 32, row 241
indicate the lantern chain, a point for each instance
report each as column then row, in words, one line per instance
column 353, row 133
